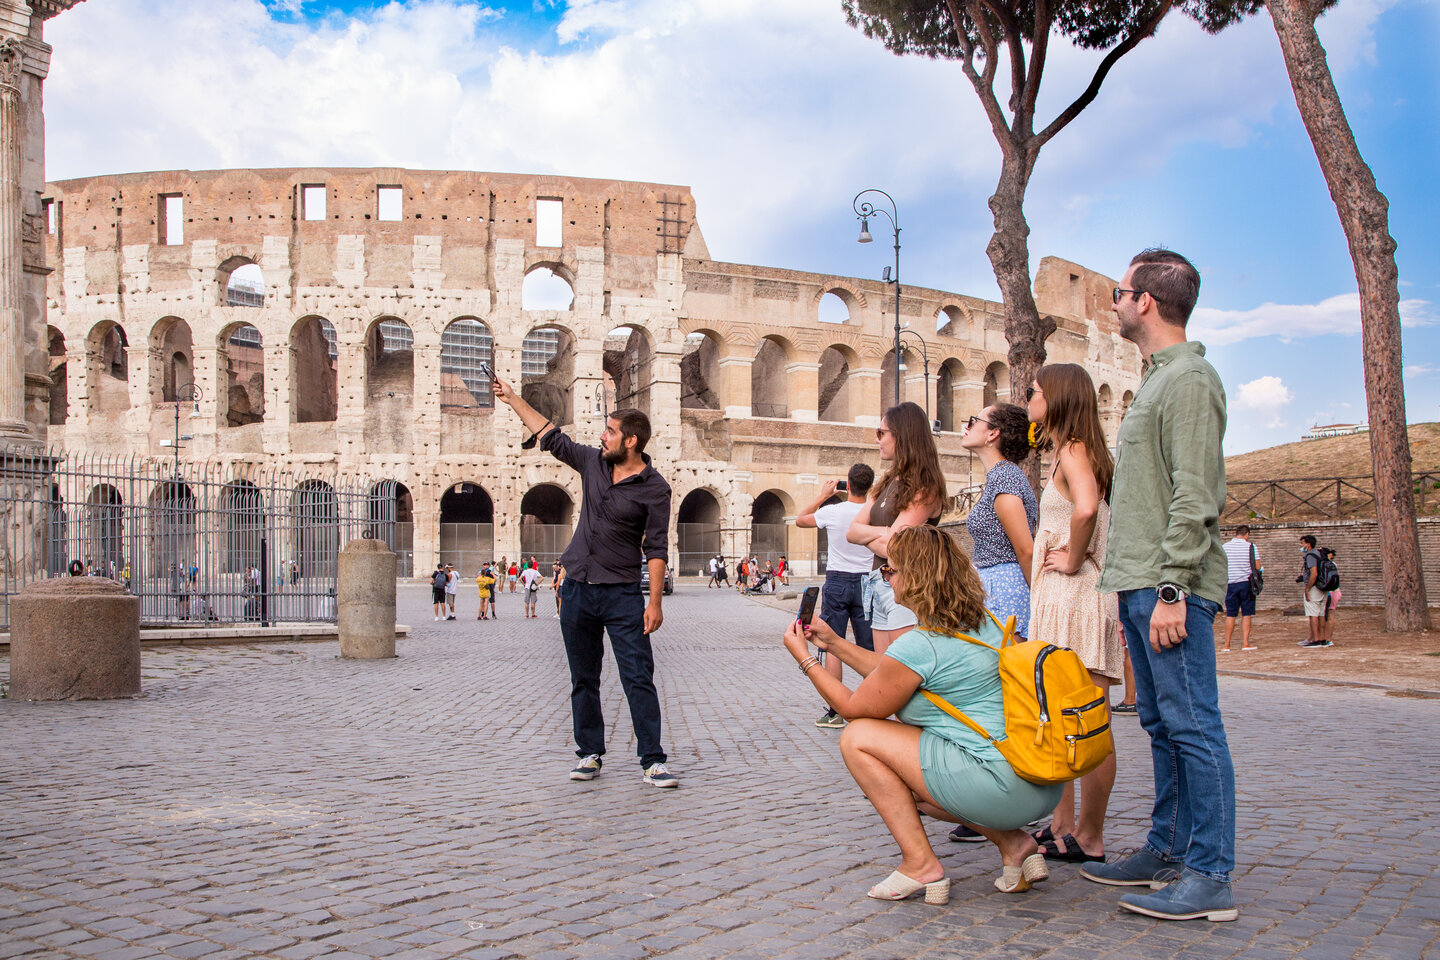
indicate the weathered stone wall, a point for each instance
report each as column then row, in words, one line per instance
column 748, row 391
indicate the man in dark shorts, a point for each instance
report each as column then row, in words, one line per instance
column 438, row 579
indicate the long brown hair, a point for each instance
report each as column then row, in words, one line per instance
column 916, row 466
column 1072, row 413
column 940, row 585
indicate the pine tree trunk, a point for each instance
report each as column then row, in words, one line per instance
column 1364, row 215
column 1009, row 252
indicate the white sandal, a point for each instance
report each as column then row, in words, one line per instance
column 897, row 886
column 1032, row 870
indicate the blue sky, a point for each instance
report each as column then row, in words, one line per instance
column 776, row 114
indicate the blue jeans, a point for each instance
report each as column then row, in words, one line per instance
column 1178, row 702
column 841, row 603
column 588, row 611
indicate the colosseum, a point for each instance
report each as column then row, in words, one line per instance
column 338, row 318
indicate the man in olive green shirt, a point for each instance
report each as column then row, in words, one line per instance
column 1165, row 560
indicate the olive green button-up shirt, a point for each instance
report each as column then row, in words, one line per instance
column 1169, row 487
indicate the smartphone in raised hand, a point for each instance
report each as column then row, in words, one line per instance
column 807, row 605
column 489, row 373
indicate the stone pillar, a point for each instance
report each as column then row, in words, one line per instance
column 735, row 387
column 802, row 386
column 74, row 638
column 366, row 600
column 865, row 404
column 12, row 279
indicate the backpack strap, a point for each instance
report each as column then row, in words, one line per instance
column 1252, row 558
column 944, row 704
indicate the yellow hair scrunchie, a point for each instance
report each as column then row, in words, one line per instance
column 1037, row 439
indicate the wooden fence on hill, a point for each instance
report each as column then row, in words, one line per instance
column 1330, row 498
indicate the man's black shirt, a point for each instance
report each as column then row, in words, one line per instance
column 621, row 524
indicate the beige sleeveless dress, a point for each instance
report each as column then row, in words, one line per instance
column 1068, row 611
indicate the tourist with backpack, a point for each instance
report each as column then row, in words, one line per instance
column 931, row 761
column 1331, row 573
column 438, row 581
column 1317, row 600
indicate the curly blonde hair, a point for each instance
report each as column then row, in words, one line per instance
column 940, row 586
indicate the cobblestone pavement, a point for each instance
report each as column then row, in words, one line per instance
column 282, row 802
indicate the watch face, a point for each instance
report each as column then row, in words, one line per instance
column 1169, row 593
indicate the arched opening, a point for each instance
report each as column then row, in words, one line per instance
column 467, row 527
column 700, row 373
column 833, row 309
column 313, row 354
column 315, row 519
column 697, row 526
column 392, row 521
column 1126, row 399
column 834, row 386
column 627, row 363
column 947, row 383
column 245, row 284
column 768, row 531
column 768, row 396
column 997, row 383
column 544, row 289
column 1105, row 401
column 57, row 534
column 170, row 537
column 547, row 373
column 173, row 342
column 242, row 526
column 950, row 322
column 107, row 369
column 242, row 370
column 464, row 345
column 103, row 532
column 59, row 378
column 545, row 530
column 389, row 386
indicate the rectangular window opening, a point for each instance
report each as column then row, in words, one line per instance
column 390, row 203
column 48, row 206
column 547, row 222
column 172, row 219
column 312, row 201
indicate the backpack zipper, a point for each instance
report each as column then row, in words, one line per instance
column 1081, row 709
column 1040, row 682
column 1071, row 738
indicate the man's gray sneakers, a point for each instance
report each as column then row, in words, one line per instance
column 657, row 776
column 587, row 768
column 1191, row 897
column 1141, row 869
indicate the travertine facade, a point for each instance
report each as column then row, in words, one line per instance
column 382, row 288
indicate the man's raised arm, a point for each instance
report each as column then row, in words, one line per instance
column 535, row 421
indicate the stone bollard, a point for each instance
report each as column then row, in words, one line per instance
column 367, row 600
column 74, row 638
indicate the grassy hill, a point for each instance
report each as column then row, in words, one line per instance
column 1330, row 457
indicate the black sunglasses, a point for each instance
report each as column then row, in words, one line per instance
column 1115, row 293
column 974, row 420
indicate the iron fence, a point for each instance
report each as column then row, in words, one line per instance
column 210, row 544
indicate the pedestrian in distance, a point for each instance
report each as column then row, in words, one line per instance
column 1317, row 600
column 530, row 590
column 1066, row 610
column 452, row 590
column 714, row 564
column 1242, row 560
column 514, row 575
column 842, row 598
column 1002, row 522
column 484, row 582
column 555, row 582
column 912, row 492
column 1332, row 602
column 438, row 580
column 624, row 516
column 722, row 574
column 1166, row 562
column 927, row 761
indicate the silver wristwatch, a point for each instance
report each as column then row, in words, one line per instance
column 1170, row 593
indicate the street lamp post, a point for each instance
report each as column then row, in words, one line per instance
column 864, row 211
column 184, row 393
column 597, row 398
column 925, row 354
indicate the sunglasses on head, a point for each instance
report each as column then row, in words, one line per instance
column 886, row 572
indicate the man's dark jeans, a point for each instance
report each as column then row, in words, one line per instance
column 840, row 603
column 588, row 610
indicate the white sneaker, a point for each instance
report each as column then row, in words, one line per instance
column 587, row 768
column 657, row 776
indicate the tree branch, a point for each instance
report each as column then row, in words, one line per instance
column 1092, row 91
column 984, row 84
column 1040, row 45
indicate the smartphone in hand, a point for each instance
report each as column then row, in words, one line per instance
column 807, row 605
column 489, row 373
column 842, row 486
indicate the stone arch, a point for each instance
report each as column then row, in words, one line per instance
column 241, row 282
column 107, row 368
column 997, row 383
column 467, row 526
column 546, row 513
column 835, row 306
column 1126, row 398
column 836, row 363
column 949, row 380
column 242, row 511
column 314, row 350
column 628, row 361
column 173, row 343
column 171, row 533
column 700, row 371
column 768, row 377
column 769, row 533
column 392, row 520
column 547, row 286
column 698, row 523
column 240, row 375
column 59, row 369
column 465, row 344
column 952, row 320
column 547, row 372
column 103, row 530
column 315, row 518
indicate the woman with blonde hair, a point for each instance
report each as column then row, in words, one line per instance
column 1065, row 608
column 912, row 492
column 927, row 761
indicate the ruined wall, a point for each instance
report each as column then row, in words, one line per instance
column 653, row 323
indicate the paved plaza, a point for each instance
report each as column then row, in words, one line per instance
column 277, row 801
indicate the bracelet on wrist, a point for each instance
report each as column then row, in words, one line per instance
column 807, row 663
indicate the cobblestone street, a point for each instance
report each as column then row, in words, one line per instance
column 277, row 801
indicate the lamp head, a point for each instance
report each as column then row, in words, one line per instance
column 864, row 231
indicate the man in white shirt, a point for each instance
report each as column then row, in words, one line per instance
column 713, row 582
column 846, row 566
column 1239, row 597
column 530, row 587
column 452, row 589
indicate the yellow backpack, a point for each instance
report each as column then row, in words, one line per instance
column 1057, row 722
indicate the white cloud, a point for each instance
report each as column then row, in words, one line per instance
column 1415, row 370
column 1267, row 396
column 1333, row 315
